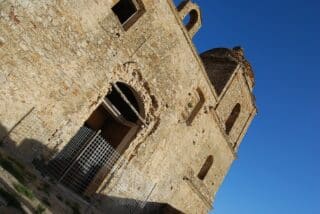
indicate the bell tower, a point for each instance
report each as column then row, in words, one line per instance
column 233, row 80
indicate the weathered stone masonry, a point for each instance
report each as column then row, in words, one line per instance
column 60, row 61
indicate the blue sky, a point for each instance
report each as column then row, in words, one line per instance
column 278, row 169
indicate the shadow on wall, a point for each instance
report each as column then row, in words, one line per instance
column 98, row 201
column 131, row 206
column 27, row 145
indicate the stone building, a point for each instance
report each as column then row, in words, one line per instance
column 111, row 99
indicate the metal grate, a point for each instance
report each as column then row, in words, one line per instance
column 78, row 163
column 62, row 161
column 82, row 158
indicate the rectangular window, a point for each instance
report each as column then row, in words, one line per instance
column 128, row 12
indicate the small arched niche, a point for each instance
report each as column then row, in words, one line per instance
column 205, row 167
column 232, row 118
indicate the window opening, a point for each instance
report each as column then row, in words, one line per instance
column 128, row 11
column 124, row 9
column 190, row 14
column 232, row 118
column 191, row 19
column 205, row 167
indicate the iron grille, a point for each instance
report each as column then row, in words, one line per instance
column 78, row 163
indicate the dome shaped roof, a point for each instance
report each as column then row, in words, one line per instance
column 220, row 63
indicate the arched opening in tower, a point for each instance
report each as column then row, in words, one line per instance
column 205, row 167
column 232, row 118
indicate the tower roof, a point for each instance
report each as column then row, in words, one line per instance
column 235, row 55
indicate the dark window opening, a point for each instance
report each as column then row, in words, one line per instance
column 232, row 118
column 124, row 9
column 205, row 167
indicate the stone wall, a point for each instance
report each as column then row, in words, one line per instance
column 58, row 60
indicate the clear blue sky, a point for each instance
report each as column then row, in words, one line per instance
column 278, row 170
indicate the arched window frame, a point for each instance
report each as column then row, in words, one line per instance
column 194, row 17
column 187, row 8
column 232, row 118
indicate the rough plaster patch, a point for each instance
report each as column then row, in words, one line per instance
column 3, row 78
